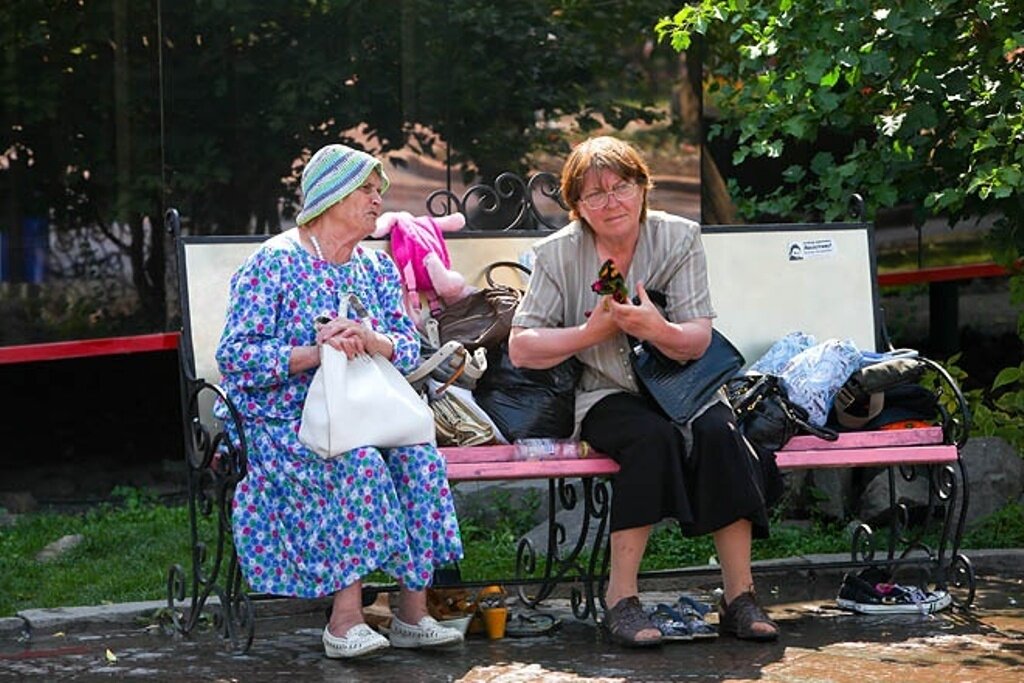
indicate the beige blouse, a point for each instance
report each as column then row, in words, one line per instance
column 669, row 258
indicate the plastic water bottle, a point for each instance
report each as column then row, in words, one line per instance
column 550, row 449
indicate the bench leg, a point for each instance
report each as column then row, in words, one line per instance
column 214, row 468
column 947, row 501
column 563, row 561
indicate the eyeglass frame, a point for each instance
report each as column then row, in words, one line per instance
column 629, row 186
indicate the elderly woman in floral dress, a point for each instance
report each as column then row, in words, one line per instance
column 306, row 526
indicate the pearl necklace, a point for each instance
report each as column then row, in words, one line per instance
column 316, row 246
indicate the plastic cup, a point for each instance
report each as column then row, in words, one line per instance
column 495, row 619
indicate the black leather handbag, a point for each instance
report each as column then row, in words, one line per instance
column 765, row 414
column 681, row 389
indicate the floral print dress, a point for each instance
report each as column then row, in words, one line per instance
column 304, row 526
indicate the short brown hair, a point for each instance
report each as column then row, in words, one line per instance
column 619, row 157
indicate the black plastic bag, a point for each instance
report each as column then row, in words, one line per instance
column 529, row 403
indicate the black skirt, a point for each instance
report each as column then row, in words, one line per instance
column 717, row 483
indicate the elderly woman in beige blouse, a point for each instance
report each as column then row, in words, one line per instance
column 703, row 475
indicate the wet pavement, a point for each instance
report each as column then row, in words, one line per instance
column 819, row 643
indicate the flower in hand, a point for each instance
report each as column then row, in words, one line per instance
column 610, row 282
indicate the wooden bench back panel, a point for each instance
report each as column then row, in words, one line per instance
column 208, row 264
column 758, row 292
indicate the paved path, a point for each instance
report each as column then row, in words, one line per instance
column 819, row 643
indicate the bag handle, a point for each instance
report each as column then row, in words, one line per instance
column 821, row 432
column 514, row 265
column 455, row 375
column 449, row 349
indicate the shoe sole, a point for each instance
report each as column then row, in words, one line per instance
column 398, row 642
column 626, row 642
column 350, row 654
column 942, row 602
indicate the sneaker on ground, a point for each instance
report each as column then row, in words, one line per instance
column 427, row 633
column 859, row 595
column 360, row 640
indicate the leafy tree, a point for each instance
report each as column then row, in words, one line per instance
column 926, row 97
column 111, row 110
column 79, row 137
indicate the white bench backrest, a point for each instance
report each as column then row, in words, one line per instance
column 759, row 293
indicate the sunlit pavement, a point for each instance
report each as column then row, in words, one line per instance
column 819, row 643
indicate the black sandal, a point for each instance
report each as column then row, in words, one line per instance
column 625, row 620
column 740, row 616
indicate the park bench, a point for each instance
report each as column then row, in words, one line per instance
column 761, row 292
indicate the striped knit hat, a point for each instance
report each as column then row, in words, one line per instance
column 332, row 174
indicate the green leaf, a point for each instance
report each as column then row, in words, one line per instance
column 831, row 78
column 1007, row 376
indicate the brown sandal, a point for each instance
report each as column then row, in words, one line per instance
column 626, row 620
column 741, row 615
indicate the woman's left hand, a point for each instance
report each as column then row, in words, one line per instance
column 640, row 321
column 354, row 338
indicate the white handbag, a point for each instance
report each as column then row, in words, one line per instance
column 364, row 401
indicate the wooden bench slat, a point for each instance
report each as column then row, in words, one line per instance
column 867, row 457
column 471, row 454
column 532, row 469
column 921, row 436
column 492, row 453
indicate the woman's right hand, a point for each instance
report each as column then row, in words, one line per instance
column 600, row 324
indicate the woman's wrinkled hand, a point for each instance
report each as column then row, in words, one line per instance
column 348, row 336
column 601, row 324
column 640, row 321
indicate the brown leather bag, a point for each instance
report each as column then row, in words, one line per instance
column 483, row 318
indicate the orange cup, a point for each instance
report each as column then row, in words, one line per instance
column 495, row 619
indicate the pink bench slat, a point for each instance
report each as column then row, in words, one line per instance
column 852, row 449
column 531, row 469
column 887, row 437
column 471, row 454
column 866, row 457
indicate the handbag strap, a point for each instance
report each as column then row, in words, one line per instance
column 440, row 356
column 788, row 407
column 514, row 265
column 455, row 376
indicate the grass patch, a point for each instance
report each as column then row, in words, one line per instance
column 124, row 555
column 128, row 547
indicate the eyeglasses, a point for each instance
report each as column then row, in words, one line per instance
column 624, row 191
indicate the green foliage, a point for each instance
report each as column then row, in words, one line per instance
column 490, row 547
column 128, row 548
column 998, row 410
column 109, row 111
column 1002, row 529
column 124, row 556
column 919, row 102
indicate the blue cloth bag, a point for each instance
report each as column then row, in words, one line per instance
column 780, row 353
column 813, row 377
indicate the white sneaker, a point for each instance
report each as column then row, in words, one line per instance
column 427, row 633
column 360, row 640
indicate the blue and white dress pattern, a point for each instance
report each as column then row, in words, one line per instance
column 304, row 526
